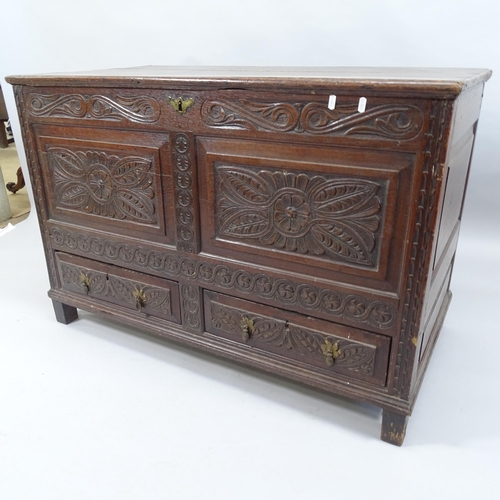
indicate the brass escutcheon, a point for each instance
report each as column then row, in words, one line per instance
column 247, row 328
column 85, row 282
column 181, row 105
column 140, row 298
column 331, row 351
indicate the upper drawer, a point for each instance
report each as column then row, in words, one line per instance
column 146, row 295
column 392, row 121
column 108, row 179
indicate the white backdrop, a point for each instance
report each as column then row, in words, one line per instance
column 87, row 411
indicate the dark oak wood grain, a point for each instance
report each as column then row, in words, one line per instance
column 234, row 210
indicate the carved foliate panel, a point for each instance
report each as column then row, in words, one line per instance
column 323, row 216
column 109, row 185
column 140, row 109
column 388, row 121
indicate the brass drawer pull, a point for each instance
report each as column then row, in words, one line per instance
column 331, row 351
column 247, row 328
column 85, row 282
column 140, row 298
column 181, row 105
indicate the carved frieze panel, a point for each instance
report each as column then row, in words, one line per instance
column 305, row 213
column 326, row 302
column 141, row 109
column 109, row 185
column 388, row 121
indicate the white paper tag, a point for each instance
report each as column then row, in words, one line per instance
column 362, row 105
column 331, row 101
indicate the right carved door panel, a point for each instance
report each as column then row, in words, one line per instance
column 330, row 212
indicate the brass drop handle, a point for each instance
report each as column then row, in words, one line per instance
column 181, row 105
column 247, row 328
column 331, row 351
column 140, row 298
column 85, row 282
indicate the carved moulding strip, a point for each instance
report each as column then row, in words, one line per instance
column 187, row 240
column 141, row 109
column 390, row 121
column 191, row 307
column 333, row 303
column 301, row 213
column 109, row 286
column 117, row 187
column 353, row 356
column 422, row 245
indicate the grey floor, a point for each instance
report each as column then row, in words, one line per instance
column 95, row 410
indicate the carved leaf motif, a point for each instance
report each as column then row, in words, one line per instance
column 246, row 185
column 253, row 223
column 70, row 165
column 132, row 171
column 134, row 204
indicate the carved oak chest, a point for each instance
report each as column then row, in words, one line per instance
column 300, row 221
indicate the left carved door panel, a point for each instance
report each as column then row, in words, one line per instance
column 119, row 181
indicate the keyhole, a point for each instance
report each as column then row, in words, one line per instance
column 179, row 104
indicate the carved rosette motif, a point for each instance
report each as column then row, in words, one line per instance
column 354, row 307
column 118, row 187
column 141, row 109
column 300, row 213
column 432, row 172
column 191, row 311
column 307, row 343
column 109, row 286
column 183, row 175
column 390, row 121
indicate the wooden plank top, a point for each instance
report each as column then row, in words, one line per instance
column 418, row 81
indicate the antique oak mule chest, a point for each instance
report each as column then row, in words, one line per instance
column 300, row 221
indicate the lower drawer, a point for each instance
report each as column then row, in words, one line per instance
column 312, row 343
column 147, row 295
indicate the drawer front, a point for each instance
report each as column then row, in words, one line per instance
column 335, row 213
column 146, row 295
column 108, row 179
column 306, row 342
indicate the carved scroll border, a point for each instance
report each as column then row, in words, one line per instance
column 141, row 109
column 389, row 121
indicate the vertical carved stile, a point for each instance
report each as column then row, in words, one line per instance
column 421, row 248
column 36, row 182
column 186, row 194
column 191, row 308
